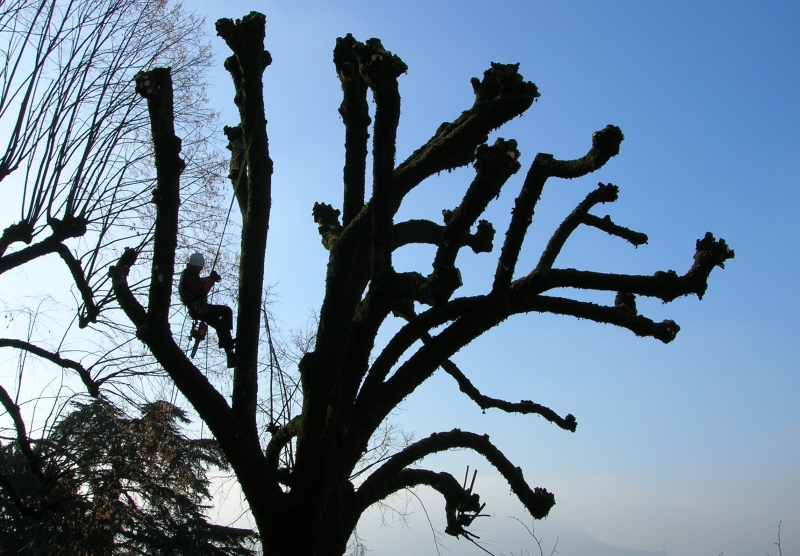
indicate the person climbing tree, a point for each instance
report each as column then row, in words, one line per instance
column 193, row 291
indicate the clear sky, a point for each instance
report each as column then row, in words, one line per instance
column 695, row 444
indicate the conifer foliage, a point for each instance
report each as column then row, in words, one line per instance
column 104, row 483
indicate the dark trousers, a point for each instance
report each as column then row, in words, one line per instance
column 220, row 318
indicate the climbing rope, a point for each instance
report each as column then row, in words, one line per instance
column 233, row 197
column 197, row 333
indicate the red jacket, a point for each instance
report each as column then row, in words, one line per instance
column 193, row 291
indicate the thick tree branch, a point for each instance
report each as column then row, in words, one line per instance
column 155, row 85
column 280, row 439
column 245, row 37
column 355, row 115
column 244, row 456
column 119, row 283
column 605, row 144
column 233, row 434
column 389, row 294
column 425, row 231
column 237, row 170
column 461, row 505
column 381, row 399
column 621, row 316
column 484, row 402
column 410, row 333
column 380, row 70
column 21, row 232
column 665, row 286
column 61, row 230
column 327, row 220
column 525, row 406
column 537, row 501
column 501, row 96
column 33, row 459
column 91, row 386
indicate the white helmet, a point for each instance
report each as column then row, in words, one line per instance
column 197, row 260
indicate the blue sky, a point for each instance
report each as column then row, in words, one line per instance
column 696, row 444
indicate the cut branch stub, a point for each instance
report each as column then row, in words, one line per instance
column 626, row 302
column 241, row 35
column 21, row 231
column 355, row 115
column 327, row 219
column 378, row 66
column 483, row 238
column 709, row 253
column 502, row 80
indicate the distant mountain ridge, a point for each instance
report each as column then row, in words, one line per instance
column 576, row 542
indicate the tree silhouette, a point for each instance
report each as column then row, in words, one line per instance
column 309, row 503
column 74, row 142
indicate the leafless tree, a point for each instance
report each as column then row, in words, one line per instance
column 76, row 156
column 312, row 505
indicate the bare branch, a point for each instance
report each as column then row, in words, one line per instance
column 33, row 459
column 280, row 439
column 155, row 85
column 380, row 70
column 603, row 194
column 605, row 144
column 494, row 165
column 416, row 330
column 355, row 115
column 425, row 231
column 605, row 224
column 525, row 406
column 501, row 96
column 21, row 231
column 91, row 311
column 665, row 286
column 92, row 386
column 61, row 230
column 618, row 316
column 537, row 501
column 245, row 37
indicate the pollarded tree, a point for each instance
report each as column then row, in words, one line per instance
column 350, row 385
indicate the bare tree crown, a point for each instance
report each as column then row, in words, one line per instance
column 298, row 473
